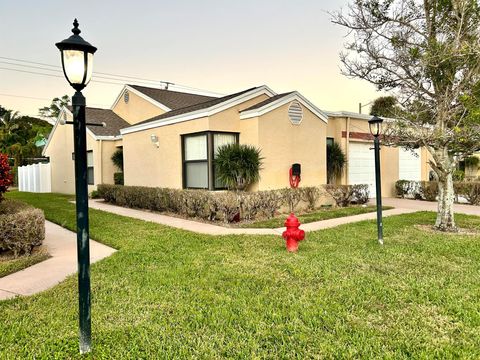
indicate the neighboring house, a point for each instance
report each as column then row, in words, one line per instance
column 169, row 139
column 351, row 131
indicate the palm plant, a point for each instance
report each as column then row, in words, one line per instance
column 8, row 124
column 336, row 161
column 237, row 166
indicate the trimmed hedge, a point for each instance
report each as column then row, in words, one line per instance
column 428, row 190
column 343, row 195
column 223, row 205
column 21, row 227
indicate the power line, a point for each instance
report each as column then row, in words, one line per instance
column 25, row 97
column 58, row 76
column 121, row 78
column 47, row 99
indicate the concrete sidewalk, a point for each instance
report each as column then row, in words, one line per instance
column 62, row 246
column 209, row 229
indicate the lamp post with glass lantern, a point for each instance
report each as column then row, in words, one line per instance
column 375, row 124
column 77, row 63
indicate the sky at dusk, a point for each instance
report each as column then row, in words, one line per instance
column 221, row 46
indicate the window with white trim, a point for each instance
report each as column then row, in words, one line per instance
column 90, row 171
column 199, row 153
column 196, row 161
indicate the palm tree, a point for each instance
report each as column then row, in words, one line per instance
column 238, row 166
column 8, row 124
column 336, row 160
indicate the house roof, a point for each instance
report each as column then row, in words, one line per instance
column 203, row 109
column 172, row 99
column 201, row 106
column 113, row 122
column 268, row 101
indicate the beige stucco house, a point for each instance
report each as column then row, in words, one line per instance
column 169, row 139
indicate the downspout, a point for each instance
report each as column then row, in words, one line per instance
column 347, row 148
column 101, row 161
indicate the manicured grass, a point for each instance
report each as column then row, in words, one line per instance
column 318, row 215
column 169, row 293
column 10, row 266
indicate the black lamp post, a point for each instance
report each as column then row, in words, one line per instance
column 375, row 124
column 77, row 63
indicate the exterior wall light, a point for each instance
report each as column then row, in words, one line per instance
column 77, row 64
column 375, row 124
column 154, row 139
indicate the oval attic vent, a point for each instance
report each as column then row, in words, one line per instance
column 126, row 96
column 295, row 112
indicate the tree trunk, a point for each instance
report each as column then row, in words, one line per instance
column 446, row 196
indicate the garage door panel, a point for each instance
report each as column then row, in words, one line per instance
column 409, row 165
column 361, row 165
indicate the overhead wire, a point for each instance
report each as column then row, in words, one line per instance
column 96, row 74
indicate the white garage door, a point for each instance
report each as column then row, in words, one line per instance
column 361, row 165
column 409, row 165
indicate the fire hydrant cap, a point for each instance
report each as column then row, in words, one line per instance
column 292, row 221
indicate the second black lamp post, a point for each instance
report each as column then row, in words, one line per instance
column 375, row 124
column 77, row 63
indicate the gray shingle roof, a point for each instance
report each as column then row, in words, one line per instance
column 172, row 99
column 97, row 116
column 204, row 105
column 267, row 101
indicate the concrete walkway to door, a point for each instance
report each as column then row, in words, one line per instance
column 62, row 246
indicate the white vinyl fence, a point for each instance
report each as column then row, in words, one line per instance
column 34, row 178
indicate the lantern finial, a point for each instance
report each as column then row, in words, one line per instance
column 76, row 30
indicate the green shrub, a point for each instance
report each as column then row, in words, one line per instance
column 270, row 202
column 118, row 178
column 94, row 194
column 251, row 205
column 310, row 195
column 291, row 197
column 360, row 193
column 208, row 205
column 117, row 159
column 237, row 166
column 470, row 190
column 403, row 188
column 341, row 194
column 428, row 190
column 12, row 206
column 458, row 175
column 472, row 161
column 228, row 205
column 336, row 160
column 21, row 228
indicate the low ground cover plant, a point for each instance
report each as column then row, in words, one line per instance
column 229, row 206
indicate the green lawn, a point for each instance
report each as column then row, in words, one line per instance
column 169, row 293
column 318, row 215
column 13, row 265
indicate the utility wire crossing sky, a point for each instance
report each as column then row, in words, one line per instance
column 211, row 47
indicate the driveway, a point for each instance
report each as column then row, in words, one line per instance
column 420, row 205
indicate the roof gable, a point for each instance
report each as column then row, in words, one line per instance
column 111, row 130
column 280, row 100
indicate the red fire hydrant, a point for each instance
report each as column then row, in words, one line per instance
column 293, row 234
